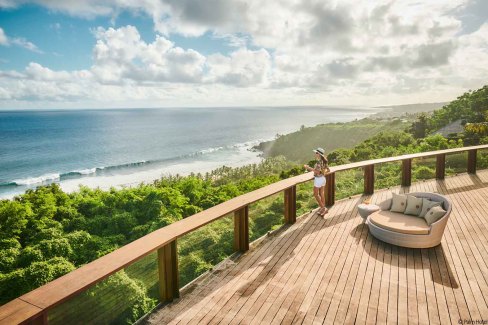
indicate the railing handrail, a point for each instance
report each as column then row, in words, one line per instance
column 59, row 290
column 405, row 157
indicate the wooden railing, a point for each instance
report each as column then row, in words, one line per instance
column 34, row 306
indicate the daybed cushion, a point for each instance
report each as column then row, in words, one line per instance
column 414, row 205
column 398, row 222
column 434, row 214
column 427, row 205
column 398, row 202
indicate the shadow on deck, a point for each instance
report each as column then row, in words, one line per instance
column 332, row 270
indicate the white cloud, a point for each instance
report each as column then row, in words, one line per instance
column 3, row 38
column 127, row 68
column 86, row 8
column 469, row 64
column 25, row 44
column 8, row 4
column 37, row 83
column 300, row 51
column 35, row 71
column 242, row 68
column 120, row 55
column 232, row 40
column 7, row 41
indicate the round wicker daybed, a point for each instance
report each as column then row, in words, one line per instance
column 406, row 230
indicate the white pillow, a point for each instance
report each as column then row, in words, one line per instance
column 427, row 205
column 414, row 205
column 434, row 214
column 398, row 203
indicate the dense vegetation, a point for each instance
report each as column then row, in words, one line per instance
column 46, row 233
column 471, row 108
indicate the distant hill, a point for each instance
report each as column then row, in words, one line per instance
column 298, row 146
column 399, row 110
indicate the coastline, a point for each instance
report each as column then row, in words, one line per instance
column 119, row 148
column 246, row 157
column 244, row 154
column 206, row 160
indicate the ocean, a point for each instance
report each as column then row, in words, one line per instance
column 115, row 147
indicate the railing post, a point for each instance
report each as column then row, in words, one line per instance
column 407, row 172
column 38, row 320
column 329, row 189
column 472, row 161
column 440, row 166
column 241, row 229
column 169, row 286
column 291, row 205
column 369, row 179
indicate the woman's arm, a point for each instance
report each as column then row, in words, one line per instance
column 307, row 167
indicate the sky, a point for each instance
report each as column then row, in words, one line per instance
column 172, row 53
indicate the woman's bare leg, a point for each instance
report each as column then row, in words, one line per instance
column 316, row 194
column 322, row 197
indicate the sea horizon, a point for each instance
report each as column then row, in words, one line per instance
column 57, row 109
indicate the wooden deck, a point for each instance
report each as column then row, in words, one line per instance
column 333, row 271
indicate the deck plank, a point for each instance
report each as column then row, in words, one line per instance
column 467, row 263
column 470, row 227
column 290, row 305
column 237, row 275
column 336, row 259
column 333, row 271
column 460, row 292
column 240, row 306
column 352, row 310
column 338, row 306
column 305, row 294
column 224, row 300
column 386, row 282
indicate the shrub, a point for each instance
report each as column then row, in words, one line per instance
column 424, row 172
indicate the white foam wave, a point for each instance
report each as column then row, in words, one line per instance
column 87, row 171
column 249, row 143
column 137, row 163
column 37, row 180
column 210, row 150
column 233, row 159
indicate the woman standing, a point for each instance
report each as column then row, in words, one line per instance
column 320, row 168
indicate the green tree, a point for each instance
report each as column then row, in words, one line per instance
column 14, row 216
column 419, row 127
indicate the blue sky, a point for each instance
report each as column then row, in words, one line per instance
column 130, row 53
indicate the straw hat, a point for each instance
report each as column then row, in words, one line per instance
column 320, row 151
